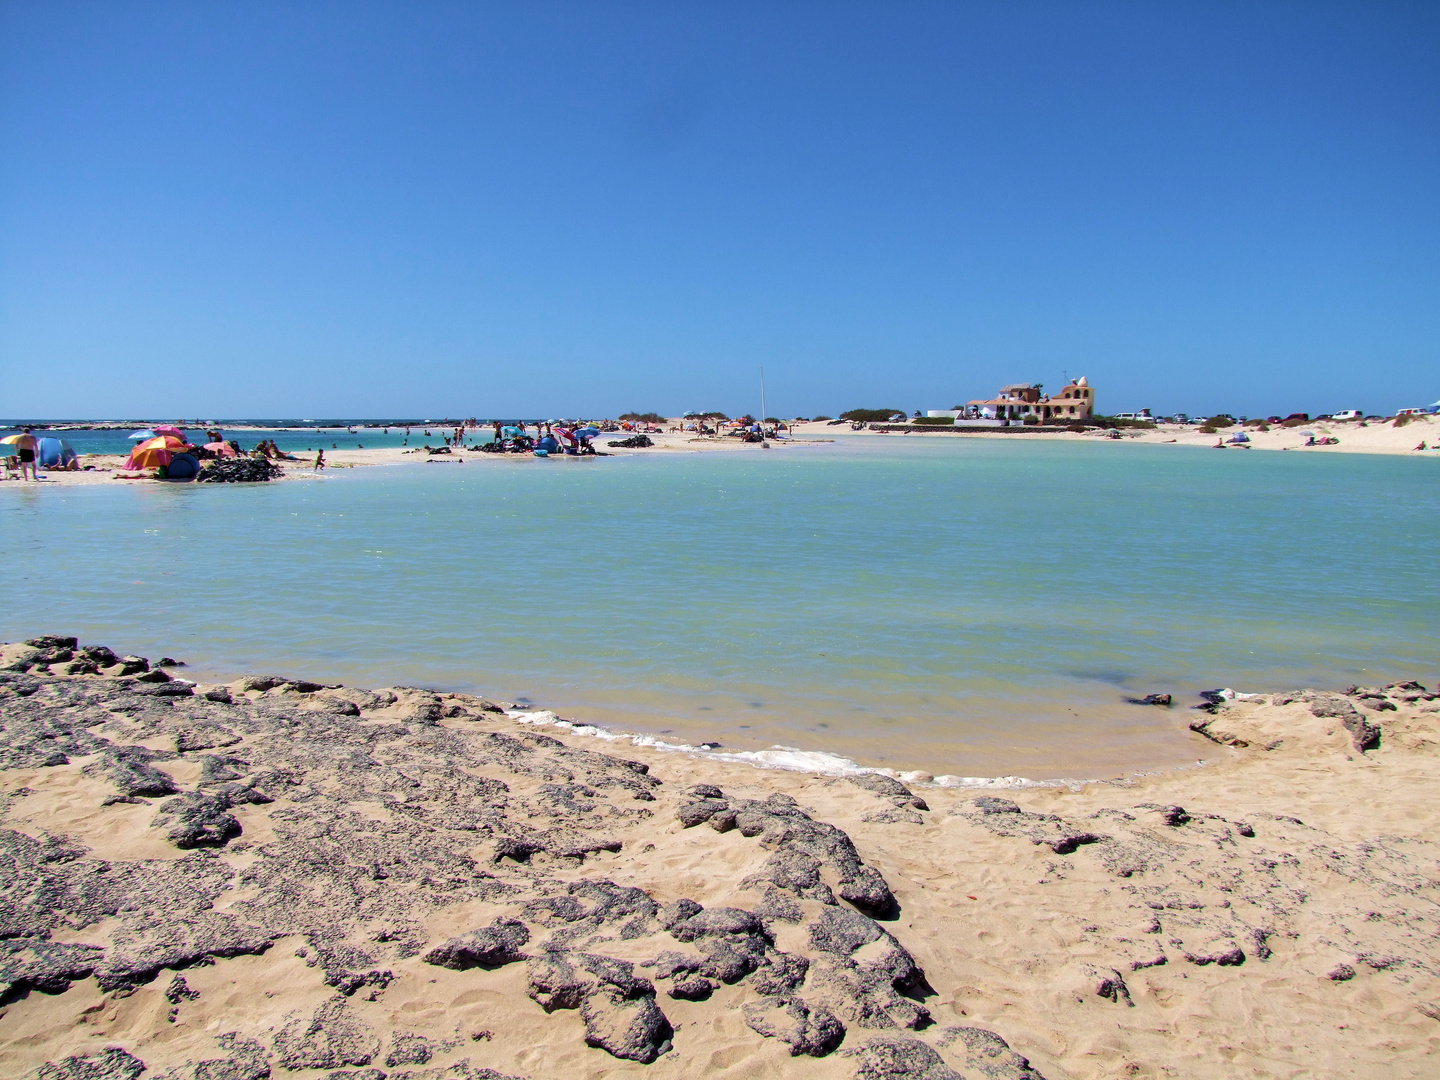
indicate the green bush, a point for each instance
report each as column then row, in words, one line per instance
column 1116, row 422
column 817, row 419
column 869, row 416
column 643, row 417
column 1401, row 421
column 934, row 421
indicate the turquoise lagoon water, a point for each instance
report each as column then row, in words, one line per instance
column 294, row 440
column 975, row 607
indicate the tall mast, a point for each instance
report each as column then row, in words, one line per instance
column 762, row 397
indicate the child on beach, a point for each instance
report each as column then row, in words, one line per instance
column 320, row 459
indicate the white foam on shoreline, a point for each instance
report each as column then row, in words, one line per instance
column 787, row 758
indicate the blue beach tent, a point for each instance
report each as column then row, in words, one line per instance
column 55, row 453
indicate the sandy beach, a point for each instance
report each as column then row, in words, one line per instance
column 278, row 878
column 1354, row 438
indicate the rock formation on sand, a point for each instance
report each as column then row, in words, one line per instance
column 346, row 853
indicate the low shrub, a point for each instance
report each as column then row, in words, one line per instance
column 1401, row 421
column 869, row 416
column 934, row 421
column 643, row 417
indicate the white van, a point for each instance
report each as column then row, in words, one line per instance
column 1348, row 414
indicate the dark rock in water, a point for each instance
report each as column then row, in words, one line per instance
column 987, row 1054
column 330, row 1039
column 197, row 820
column 112, row 1063
column 896, row 1057
column 169, row 661
column 812, row 1030
column 1162, row 700
column 408, row 1049
column 492, row 947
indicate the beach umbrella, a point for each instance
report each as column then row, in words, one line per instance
column 223, row 449
column 10, row 440
column 171, row 430
column 153, row 453
column 142, row 435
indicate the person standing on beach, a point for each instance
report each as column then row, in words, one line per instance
column 26, row 446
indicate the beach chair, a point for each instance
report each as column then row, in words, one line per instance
column 12, row 462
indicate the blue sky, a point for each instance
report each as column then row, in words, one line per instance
column 359, row 209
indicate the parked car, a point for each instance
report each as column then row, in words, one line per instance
column 1348, row 414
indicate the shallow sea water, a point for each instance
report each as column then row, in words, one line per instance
column 973, row 607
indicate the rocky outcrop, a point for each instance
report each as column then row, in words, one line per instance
column 786, row 829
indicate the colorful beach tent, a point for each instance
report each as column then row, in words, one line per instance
column 153, row 453
column 56, row 453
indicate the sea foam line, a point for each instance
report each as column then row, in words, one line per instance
column 789, row 758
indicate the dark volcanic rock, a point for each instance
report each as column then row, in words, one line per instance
column 808, row 1030
column 129, row 769
column 197, row 820
column 630, row 1028
column 408, row 1049
column 987, row 1054
column 555, row 981
column 893, row 1057
column 112, row 1063
column 331, row 1038
column 492, row 947
column 1364, row 732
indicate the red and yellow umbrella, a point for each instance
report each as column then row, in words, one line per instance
column 152, row 453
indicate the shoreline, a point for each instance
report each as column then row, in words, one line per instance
column 1276, row 911
column 1353, row 438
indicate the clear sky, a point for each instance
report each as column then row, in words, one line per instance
column 358, row 209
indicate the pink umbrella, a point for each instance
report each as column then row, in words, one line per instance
column 172, row 431
column 223, row 449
